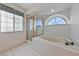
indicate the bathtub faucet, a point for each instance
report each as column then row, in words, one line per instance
column 69, row 43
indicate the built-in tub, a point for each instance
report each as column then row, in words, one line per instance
column 55, row 38
column 47, row 47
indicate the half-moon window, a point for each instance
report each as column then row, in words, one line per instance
column 56, row 20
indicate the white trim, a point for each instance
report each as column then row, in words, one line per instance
column 60, row 15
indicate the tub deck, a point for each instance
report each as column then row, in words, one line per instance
column 49, row 48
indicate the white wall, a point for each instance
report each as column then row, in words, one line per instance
column 60, row 30
column 11, row 39
column 75, row 22
column 66, row 12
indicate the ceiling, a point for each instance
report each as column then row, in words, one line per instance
column 43, row 8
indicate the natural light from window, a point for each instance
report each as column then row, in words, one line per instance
column 10, row 22
column 56, row 20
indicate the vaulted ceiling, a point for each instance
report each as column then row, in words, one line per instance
column 43, row 8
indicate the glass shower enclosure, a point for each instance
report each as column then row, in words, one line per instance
column 35, row 27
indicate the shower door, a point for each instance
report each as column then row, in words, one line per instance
column 31, row 27
column 35, row 27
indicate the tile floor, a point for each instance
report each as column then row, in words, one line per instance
column 23, row 50
column 38, row 47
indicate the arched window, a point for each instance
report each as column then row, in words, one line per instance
column 56, row 20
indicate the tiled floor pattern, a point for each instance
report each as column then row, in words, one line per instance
column 23, row 50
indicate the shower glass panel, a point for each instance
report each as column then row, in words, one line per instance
column 35, row 27
column 39, row 26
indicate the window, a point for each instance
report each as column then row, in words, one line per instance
column 56, row 20
column 6, row 21
column 18, row 23
column 10, row 19
column 39, row 26
column 39, row 23
column 10, row 22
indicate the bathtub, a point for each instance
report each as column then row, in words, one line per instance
column 53, row 48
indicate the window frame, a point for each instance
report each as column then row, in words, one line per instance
column 59, row 15
column 55, row 17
